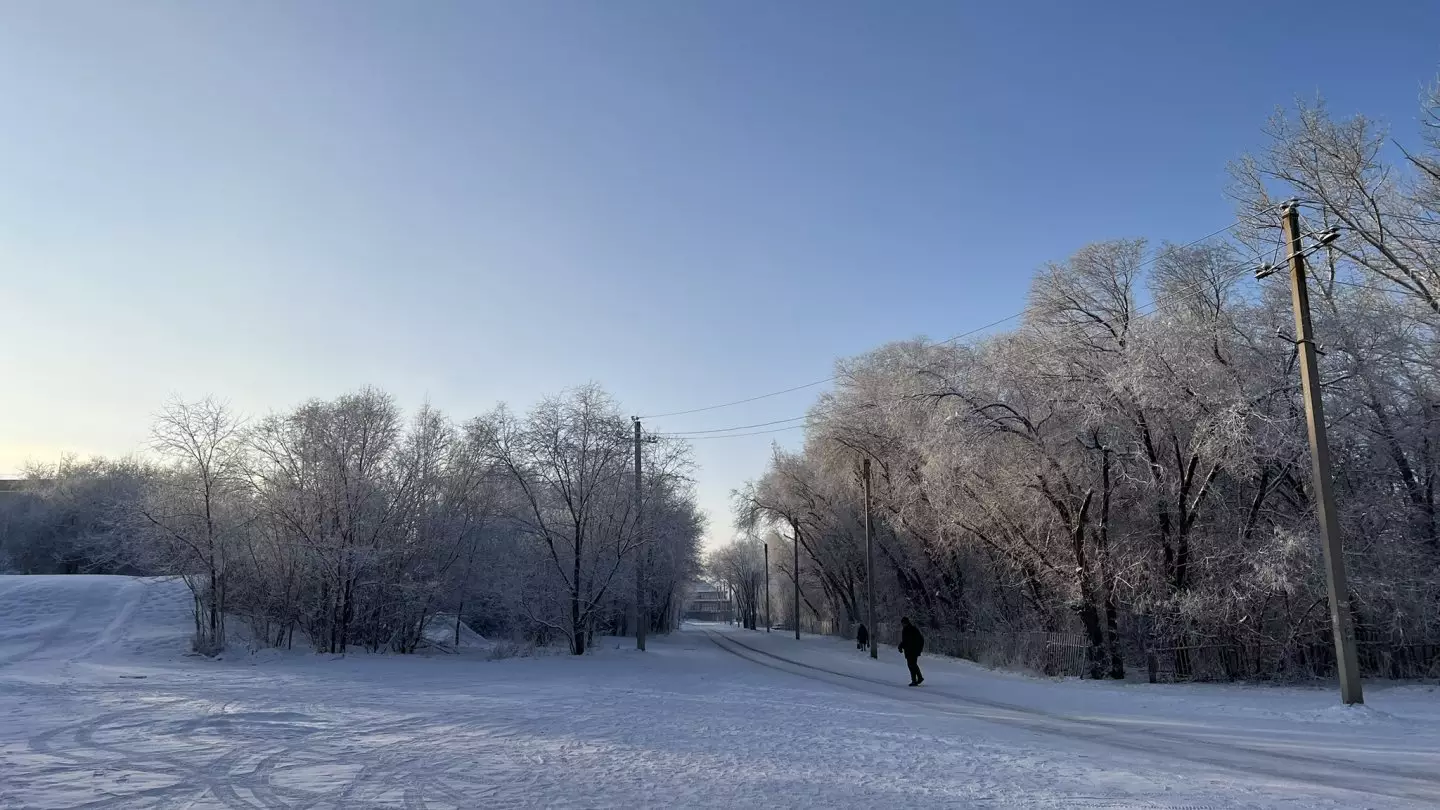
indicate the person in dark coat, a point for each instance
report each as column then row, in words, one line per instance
column 911, row 645
column 862, row 638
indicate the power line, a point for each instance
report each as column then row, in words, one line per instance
column 675, row 433
column 1240, row 270
column 1395, row 290
column 1154, row 306
column 1154, row 258
column 739, row 401
column 952, row 339
column 738, row 435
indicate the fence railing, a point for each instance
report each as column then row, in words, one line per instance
column 1048, row 653
column 1381, row 655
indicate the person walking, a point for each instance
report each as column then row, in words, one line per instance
column 911, row 645
column 862, row 638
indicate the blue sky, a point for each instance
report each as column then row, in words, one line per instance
column 688, row 202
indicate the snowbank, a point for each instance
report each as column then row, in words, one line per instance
column 103, row 708
column 440, row 634
column 50, row 623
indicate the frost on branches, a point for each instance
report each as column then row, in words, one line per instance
column 351, row 525
column 1127, row 469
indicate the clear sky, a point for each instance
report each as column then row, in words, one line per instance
column 689, row 202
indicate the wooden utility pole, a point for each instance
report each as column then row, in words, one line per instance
column 869, row 566
column 795, row 570
column 768, row 622
column 642, row 609
column 1346, row 662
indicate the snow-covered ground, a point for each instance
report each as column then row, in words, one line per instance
column 101, row 708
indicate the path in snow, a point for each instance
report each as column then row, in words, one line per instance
column 102, row 709
column 1394, row 757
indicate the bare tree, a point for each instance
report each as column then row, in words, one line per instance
column 740, row 565
column 568, row 463
column 196, row 513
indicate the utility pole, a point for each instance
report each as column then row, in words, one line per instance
column 1346, row 662
column 767, row 588
column 642, row 610
column 870, row 565
column 795, row 570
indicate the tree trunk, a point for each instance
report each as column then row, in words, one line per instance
column 1107, row 575
column 1095, row 654
column 1084, row 581
column 577, row 627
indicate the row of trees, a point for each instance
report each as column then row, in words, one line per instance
column 346, row 521
column 1139, row 474
column 740, row 567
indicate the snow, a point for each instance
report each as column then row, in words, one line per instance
column 440, row 634
column 102, row 707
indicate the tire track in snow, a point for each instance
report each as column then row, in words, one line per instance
column 1147, row 729
column 211, row 776
column 220, row 777
column 179, row 752
column 1391, row 783
column 130, row 597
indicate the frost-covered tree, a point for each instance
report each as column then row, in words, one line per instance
column 568, row 462
column 1130, row 463
column 72, row 517
column 571, row 489
column 740, row 566
column 196, row 512
column 357, row 526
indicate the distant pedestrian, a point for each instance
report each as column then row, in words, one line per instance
column 862, row 638
column 911, row 645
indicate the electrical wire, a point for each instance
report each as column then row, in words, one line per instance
column 736, row 435
column 676, row 433
column 1152, row 307
column 1395, row 290
column 952, row 339
column 1154, row 258
column 739, row 401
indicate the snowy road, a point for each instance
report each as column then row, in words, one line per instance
column 1390, row 761
column 101, row 710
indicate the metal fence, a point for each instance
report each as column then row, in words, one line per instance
column 1047, row 653
column 1381, row 655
